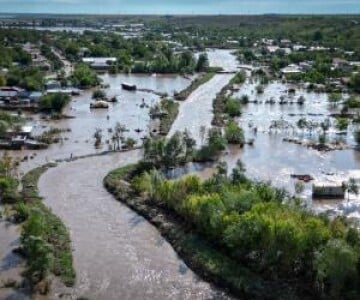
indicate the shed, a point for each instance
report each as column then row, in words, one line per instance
column 321, row 190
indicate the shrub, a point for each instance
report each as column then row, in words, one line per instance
column 54, row 102
column 234, row 134
column 233, row 107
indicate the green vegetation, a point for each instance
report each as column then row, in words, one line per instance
column 214, row 145
column 175, row 151
column 56, row 63
column 232, row 107
column 334, row 98
column 9, row 121
column 45, row 240
column 54, row 102
column 355, row 82
column 29, row 78
column 342, row 124
column 51, row 136
column 8, row 183
column 239, row 78
column 357, row 137
column 84, row 77
column 194, row 85
column 169, row 110
column 99, row 94
column 234, row 133
column 219, row 106
column 250, row 237
column 353, row 102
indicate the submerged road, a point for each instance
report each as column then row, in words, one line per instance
column 117, row 254
column 197, row 111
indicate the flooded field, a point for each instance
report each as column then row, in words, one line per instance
column 117, row 254
column 272, row 159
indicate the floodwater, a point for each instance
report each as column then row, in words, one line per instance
column 11, row 264
column 272, row 159
column 117, row 254
column 127, row 111
column 196, row 112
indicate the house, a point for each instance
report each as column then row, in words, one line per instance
column 99, row 62
column 8, row 93
column 15, row 132
column 285, row 43
column 299, row 47
column 272, row 49
column 35, row 96
column 342, row 64
column 52, row 84
column 291, row 69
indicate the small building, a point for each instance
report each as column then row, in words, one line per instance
column 35, row 97
column 8, row 93
column 52, row 84
column 99, row 62
column 291, row 69
column 326, row 190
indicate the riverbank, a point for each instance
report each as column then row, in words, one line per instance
column 200, row 255
column 51, row 254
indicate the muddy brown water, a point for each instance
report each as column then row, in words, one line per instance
column 117, row 254
column 11, row 264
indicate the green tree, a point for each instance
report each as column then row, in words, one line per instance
column 234, row 133
column 202, row 63
column 233, row 107
column 335, row 265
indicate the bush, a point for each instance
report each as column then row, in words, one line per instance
column 239, row 78
column 342, row 123
column 234, row 134
column 84, row 76
column 357, row 136
column 54, row 102
column 232, row 107
column 215, row 144
column 353, row 102
column 98, row 94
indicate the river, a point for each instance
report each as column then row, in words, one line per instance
column 117, row 254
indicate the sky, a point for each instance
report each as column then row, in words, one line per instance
column 181, row 6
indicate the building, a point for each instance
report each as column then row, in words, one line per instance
column 328, row 190
column 52, row 84
column 9, row 93
column 99, row 62
column 291, row 69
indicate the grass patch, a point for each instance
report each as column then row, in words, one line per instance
column 182, row 95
